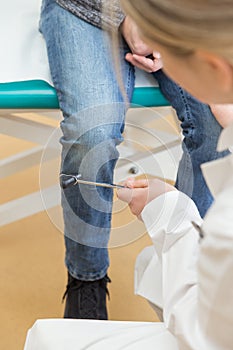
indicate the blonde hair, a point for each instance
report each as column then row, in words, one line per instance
column 185, row 25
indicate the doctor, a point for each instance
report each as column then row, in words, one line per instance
column 191, row 261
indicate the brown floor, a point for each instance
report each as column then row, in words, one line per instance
column 33, row 275
column 33, row 279
column 32, row 271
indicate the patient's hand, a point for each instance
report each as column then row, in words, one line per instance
column 147, row 64
column 140, row 192
column 139, row 49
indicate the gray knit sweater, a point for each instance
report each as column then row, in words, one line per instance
column 105, row 14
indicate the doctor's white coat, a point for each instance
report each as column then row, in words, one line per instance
column 189, row 277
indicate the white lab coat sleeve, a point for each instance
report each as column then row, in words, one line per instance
column 148, row 264
column 169, row 223
column 215, row 271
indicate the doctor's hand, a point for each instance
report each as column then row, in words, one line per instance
column 139, row 50
column 138, row 193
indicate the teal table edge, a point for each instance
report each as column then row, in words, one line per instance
column 38, row 94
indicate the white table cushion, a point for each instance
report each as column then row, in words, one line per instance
column 65, row 334
column 23, row 50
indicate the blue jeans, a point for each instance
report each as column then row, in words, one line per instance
column 94, row 112
column 201, row 132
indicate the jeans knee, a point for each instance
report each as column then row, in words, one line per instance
column 92, row 153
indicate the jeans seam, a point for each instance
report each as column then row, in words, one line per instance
column 188, row 113
column 131, row 71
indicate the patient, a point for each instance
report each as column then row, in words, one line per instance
column 78, row 40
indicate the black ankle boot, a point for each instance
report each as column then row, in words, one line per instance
column 86, row 299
